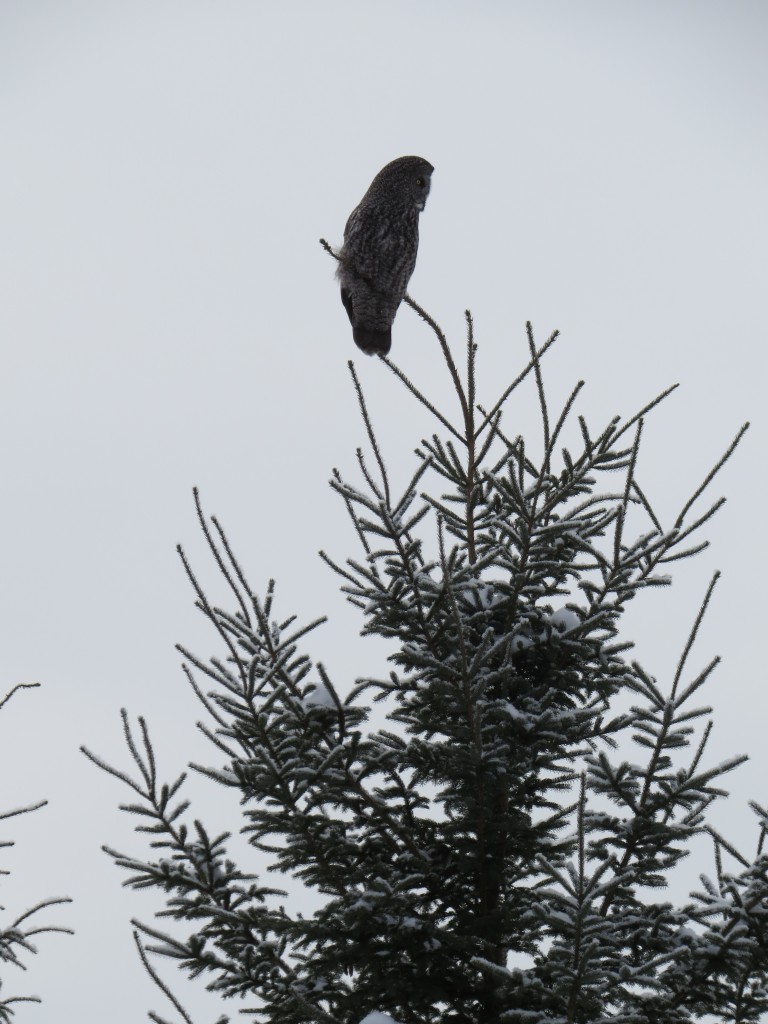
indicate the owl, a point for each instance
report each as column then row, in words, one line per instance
column 379, row 251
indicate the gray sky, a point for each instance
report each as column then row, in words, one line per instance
column 169, row 319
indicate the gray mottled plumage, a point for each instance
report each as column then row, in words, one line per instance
column 381, row 240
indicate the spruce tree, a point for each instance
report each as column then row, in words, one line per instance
column 18, row 937
column 498, row 851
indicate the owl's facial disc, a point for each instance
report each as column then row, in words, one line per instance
column 422, row 191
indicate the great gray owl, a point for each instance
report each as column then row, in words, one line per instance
column 379, row 252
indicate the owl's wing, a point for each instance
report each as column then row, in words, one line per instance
column 352, row 223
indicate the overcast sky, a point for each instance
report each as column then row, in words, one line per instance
column 168, row 319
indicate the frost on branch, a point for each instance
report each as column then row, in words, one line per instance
column 18, row 936
column 496, row 853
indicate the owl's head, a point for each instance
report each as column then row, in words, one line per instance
column 405, row 181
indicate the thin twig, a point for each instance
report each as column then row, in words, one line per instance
column 470, row 439
column 564, row 414
column 22, row 810
column 209, row 610
column 422, row 398
column 158, row 980
column 622, row 514
column 646, row 409
column 18, row 686
column 215, row 551
column 542, row 397
column 692, row 635
column 708, row 479
column 517, row 381
column 329, row 250
column 446, row 351
column 369, row 429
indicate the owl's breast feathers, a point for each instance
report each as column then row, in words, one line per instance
column 381, row 251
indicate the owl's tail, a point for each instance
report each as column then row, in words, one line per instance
column 373, row 343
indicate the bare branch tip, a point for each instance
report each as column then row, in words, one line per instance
column 328, row 248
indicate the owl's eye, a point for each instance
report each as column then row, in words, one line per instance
column 420, row 182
